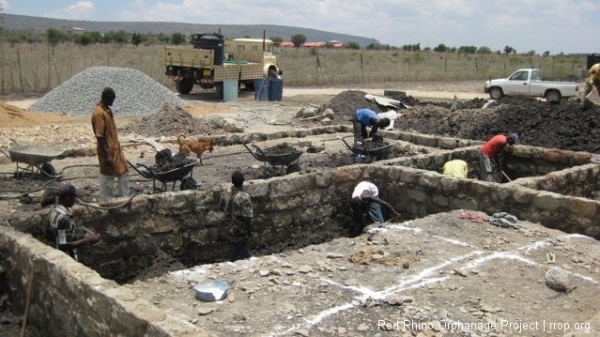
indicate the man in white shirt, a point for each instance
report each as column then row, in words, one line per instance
column 365, row 199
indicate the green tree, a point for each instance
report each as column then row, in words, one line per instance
column 546, row 53
column 352, row 45
column 484, row 50
column 441, row 48
column 177, row 38
column 298, row 40
column 136, row 39
column 467, row 49
column 276, row 40
column 508, row 50
column 54, row 36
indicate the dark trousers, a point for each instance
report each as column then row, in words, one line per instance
column 241, row 251
column 360, row 130
column 358, row 216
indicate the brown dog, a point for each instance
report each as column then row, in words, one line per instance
column 196, row 146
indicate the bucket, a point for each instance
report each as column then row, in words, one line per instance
column 275, row 90
column 230, row 90
column 261, row 89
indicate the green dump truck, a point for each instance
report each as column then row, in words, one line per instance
column 213, row 60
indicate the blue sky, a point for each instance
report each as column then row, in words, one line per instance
column 542, row 25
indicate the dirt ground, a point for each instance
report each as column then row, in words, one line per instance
column 460, row 271
column 426, row 274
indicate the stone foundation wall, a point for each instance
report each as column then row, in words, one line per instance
column 69, row 299
column 524, row 161
column 578, row 181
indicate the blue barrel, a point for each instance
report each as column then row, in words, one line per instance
column 261, row 89
column 230, row 90
column 275, row 90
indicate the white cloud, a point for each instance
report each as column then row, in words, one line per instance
column 523, row 24
column 4, row 5
column 77, row 11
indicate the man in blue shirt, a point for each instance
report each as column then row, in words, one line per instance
column 364, row 118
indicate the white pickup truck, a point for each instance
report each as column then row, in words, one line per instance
column 528, row 82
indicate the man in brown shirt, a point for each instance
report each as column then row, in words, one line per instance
column 111, row 158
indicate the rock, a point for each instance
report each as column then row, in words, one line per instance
column 263, row 273
column 407, row 299
column 239, row 316
column 393, row 300
column 275, row 272
column 334, row 256
column 363, row 327
column 350, row 282
column 558, row 280
column 302, row 332
column 326, row 121
column 233, row 126
column 341, row 331
column 304, row 269
column 205, row 311
column 328, row 113
column 231, row 297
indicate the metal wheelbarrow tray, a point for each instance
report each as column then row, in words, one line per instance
column 37, row 159
column 165, row 177
column 378, row 153
column 283, row 159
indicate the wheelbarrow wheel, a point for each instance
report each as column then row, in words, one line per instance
column 188, row 183
column 48, row 170
column 295, row 167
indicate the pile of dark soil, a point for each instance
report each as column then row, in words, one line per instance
column 346, row 103
column 165, row 161
column 169, row 121
column 562, row 126
column 283, row 148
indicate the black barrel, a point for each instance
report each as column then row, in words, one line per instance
column 212, row 41
column 592, row 59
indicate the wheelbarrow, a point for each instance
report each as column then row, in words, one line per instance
column 170, row 176
column 287, row 160
column 368, row 153
column 35, row 159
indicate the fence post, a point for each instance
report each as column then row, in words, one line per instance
column 446, row 65
column 361, row 68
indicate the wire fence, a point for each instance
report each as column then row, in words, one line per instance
column 38, row 68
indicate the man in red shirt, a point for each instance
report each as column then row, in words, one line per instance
column 491, row 151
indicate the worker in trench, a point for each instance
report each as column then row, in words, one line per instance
column 491, row 153
column 364, row 118
column 365, row 199
column 456, row 167
column 237, row 206
column 592, row 83
column 61, row 228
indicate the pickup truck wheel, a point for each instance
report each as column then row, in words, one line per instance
column 219, row 90
column 553, row 96
column 184, row 87
column 496, row 93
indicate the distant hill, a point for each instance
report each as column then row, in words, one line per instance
column 25, row 23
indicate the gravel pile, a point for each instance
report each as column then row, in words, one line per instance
column 137, row 94
column 168, row 121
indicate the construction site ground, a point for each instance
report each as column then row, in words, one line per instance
column 441, row 275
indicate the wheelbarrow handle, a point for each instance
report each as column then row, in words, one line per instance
column 259, row 150
column 251, row 152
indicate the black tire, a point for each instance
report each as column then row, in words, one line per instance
column 48, row 170
column 188, row 183
column 295, row 167
column 553, row 96
column 184, row 87
column 219, row 90
column 496, row 93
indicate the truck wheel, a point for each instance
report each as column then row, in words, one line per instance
column 553, row 96
column 184, row 87
column 496, row 93
column 219, row 90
